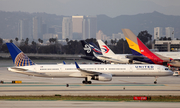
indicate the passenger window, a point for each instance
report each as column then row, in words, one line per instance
column 166, row 69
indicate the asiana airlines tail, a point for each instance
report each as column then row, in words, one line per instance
column 142, row 53
column 99, row 72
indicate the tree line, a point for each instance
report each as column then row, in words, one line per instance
column 73, row 46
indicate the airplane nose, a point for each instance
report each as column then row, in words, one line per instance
column 170, row 72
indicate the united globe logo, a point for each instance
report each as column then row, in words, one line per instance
column 23, row 60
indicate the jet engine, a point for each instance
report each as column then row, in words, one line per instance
column 102, row 77
column 131, row 62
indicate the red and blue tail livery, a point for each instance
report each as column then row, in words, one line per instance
column 141, row 52
column 18, row 57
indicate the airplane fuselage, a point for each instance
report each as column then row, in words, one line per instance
column 173, row 55
column 117, row 58
column 70, row 70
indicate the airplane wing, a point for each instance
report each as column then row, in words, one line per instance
column 19, row 69
column 109, row 59
column 135, row 57
column 86, row 72
column 174, row 64
column 105, row 57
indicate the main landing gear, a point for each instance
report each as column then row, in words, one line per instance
column 155, row 81
column 86, row 81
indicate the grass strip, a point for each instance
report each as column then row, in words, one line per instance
column 92, row 98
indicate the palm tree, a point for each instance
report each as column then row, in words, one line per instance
column 50, row 40
column 106, row 42
column 39, row 40
column 1, row 41
column 16, row 39
column 11, row 41
column 27, row 40
column 67, row 39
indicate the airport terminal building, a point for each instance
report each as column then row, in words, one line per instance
column 167, row 45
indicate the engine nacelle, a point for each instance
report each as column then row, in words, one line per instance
column 165, row 64
column 102, row 77
column 131, row 61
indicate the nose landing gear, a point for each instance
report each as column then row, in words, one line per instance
column 155, row 81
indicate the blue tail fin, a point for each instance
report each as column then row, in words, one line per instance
column 18, row 57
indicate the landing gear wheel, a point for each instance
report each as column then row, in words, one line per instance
column 155, row 82
column 86, row 82
column 89, row 82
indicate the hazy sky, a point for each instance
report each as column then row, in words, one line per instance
column 111, row 8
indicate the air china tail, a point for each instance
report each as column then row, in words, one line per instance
column 18, row 57
column 139, row 49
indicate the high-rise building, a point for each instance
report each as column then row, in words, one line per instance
column 89, row 27
column 77, row 26
column 85, row 28
column 67, row 28
column 51, row 30
column 118, row 36
column 157, row 33
column 101, row 35
column 25, row 29
column 44, row 29
column 37, row 28
column 170, row 32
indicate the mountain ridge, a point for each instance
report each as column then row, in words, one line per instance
column 108, row 25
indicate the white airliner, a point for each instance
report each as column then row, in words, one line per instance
column 109, row 55
column 99, row 72
column 173, row 55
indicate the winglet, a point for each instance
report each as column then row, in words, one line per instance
column 77, row 66
column 64, row 62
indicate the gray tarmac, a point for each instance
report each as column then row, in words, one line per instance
column 85, row 104
column 38, row 86
column 35, row 86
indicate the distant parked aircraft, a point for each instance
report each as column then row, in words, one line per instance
column 142, row 53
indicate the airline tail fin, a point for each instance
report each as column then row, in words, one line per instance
column 137, row 47
column 95, row 48
column 87, row 48
column 18, row 57
column 104, row 48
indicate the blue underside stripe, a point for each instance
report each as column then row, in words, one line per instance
column 147, row 60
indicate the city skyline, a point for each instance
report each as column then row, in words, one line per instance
column 111, row 8
column 51, row 25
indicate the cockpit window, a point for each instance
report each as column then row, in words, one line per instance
column 166, row 69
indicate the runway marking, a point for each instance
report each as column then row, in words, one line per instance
column 19, row 85
column 74, row 90
column 127, row 81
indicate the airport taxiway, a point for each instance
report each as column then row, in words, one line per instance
column 86, row 104
column 118, row 86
